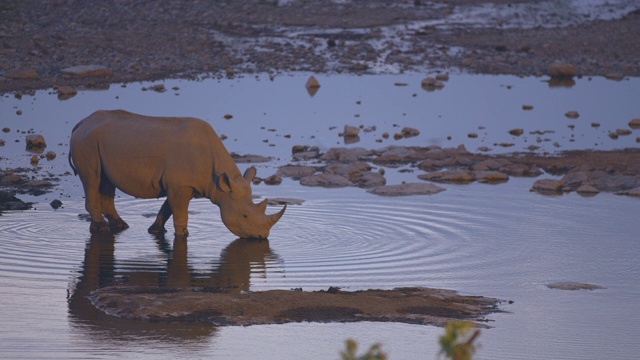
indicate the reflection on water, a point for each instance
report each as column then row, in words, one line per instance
column 477, row 239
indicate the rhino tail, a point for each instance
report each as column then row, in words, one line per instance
column 75, row 171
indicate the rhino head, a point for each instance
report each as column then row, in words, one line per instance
column 239, row 214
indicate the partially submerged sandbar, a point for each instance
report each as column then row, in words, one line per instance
column 407, row 305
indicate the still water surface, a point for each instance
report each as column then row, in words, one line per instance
column 500, row 241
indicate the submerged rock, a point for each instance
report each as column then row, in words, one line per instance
column 406, row 189
column 326, row 180
column 574, row 286
column 548, row 185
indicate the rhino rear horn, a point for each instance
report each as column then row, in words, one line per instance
column 273, row 218
column 262, row 206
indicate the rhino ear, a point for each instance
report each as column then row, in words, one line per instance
column 249, row 174
column 222, row 182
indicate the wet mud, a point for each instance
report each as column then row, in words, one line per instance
column 223, row 308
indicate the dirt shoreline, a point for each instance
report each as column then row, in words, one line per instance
column 136, row 41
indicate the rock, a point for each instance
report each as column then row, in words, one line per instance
column 489, row 164
column 413, row 305
column 369, row 179
column 408, row 132
column 491, row 177
column 50, row 155
column 296, row 172
column 587, row 189
column 548, row 185
column 86, row 71
column 312, row 86
column 516, row 132
column 346, row 154
column 249, row 158
column 66, row 92
column 350, row 171
column 632, row 192
column 573, row 286
column 406, row 189
column 634, row 124
column 56, row 204
column 431, row 84
column 35, row 142
column 273, row 180
column 562, row 70
column 326, row 180
column 351, row 131
column 449, row 176
column 472, row 135
column 572, row 114
column 623, row 132
column 614, row 76
column 527, row 107
column 285, row 201
column 8, row 201
column 397, row 154
column 22, row 74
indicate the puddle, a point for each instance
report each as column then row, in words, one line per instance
column 499, row 241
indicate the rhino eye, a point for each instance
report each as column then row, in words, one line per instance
column 245, row 216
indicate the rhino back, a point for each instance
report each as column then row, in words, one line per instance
column 142, row 155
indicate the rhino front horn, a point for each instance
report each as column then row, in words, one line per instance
column 273, row 218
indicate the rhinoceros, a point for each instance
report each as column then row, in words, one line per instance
column 151, row 157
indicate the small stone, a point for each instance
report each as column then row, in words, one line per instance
column 595, row 125
column 56, row 204
column 273, row 180
column 228, row 116
column 22, row 74
column 34, row 160
column 406, row 189
column 50, row 155
column 572, row 114
column 66, row 92
column 86, row 71
column 6, row 129
column 408, row 132
column 516, row 132
column 35, row 141
column 351, row 131
column 587, row 189
column 527, row 107
column 548, row 185
column 634, row 124
column 312, row 86
column 561, row 70
column 472, row 135
column 623, row 132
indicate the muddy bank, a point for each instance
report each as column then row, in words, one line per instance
column 408, row 305
column 74, row 43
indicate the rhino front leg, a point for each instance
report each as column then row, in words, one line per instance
column 179, row 202
column 92, row 203
column 163, row 215
column 107, row 194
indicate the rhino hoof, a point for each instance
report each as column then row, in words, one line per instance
column 118, row 225
column 156, row 229
column 98, row 227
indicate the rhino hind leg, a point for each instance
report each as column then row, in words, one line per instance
column 107, row 194
column 163, row 215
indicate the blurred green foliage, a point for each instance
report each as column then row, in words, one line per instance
column 374, row 352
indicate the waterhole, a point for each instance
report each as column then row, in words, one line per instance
column 492, row 240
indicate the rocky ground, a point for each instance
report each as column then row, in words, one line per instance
column 142, row 40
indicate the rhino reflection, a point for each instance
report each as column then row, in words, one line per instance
column 233, row 272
